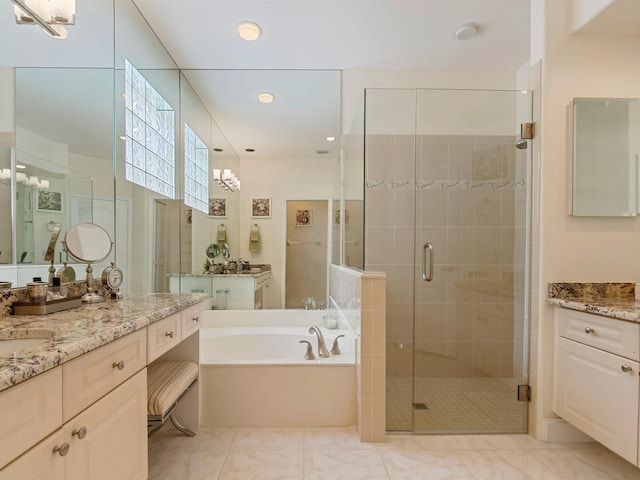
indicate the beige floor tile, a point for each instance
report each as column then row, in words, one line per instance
column 268, row 438
column 427, row 465
column 206, row 439
column 332, row 438
column 262, row 465
column 563, row 464
column 183, row 465
column 344, row 465
column 502, row 464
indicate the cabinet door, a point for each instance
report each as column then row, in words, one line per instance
column 114, row 444
column 39, row 463
column 598, row 393
column 29, row 412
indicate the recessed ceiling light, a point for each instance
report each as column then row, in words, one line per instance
column 331, row 139
column 249, row 31
column 20, row 166
column 266, row 97
column 466, row 31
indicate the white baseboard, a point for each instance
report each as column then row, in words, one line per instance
column 557, row 430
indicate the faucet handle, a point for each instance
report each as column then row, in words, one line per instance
column 309, row 355
column 335, row 350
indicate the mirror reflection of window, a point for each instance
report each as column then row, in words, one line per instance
column 150, row 135
column 196, row 171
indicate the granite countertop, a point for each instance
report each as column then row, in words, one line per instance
column 611, row 299
column 79, row 330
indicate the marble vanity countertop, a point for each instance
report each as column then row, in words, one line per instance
column 611, row 299
column 73, row 332
column 247, row 273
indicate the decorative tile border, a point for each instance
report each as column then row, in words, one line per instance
column 445, row 184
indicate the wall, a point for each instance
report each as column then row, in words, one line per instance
column 281, row 180
column 575, row 248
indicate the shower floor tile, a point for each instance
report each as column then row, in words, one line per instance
column 455, row 405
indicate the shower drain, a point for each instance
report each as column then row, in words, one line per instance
column 420, row 406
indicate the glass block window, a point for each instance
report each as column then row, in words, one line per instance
column 150, row 135
column 196, row 171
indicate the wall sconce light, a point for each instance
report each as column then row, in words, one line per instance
column 51, row 15
column 226, row 179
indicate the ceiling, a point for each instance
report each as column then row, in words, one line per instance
column 305, row 43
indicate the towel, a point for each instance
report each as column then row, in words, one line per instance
column 254, row 241
column 222, row 235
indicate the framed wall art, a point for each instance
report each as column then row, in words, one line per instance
column 48, row 201
column 304, row 218
column 218, row 207
column 260, row 208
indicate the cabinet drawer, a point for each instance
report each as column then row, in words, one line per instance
column 191, row 320
column 262, row 281
column 593, row 392
column 162, row 336
column 39, row 463
column 608, row 334
column 91, row 376
column 29, row 412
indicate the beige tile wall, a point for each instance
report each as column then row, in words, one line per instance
column 361, row 298
column 460, row 190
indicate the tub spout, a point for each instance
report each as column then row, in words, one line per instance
column 322, row 347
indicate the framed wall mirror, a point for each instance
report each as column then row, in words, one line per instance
column 606, row 157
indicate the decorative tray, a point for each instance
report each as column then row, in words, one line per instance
column 43, row 308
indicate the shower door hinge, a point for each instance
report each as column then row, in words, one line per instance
column 527, row 130
column 524, row 393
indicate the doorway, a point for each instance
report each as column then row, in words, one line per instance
column 446, row 199
column 306, row 253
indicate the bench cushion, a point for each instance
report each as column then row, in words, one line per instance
column 166, row 381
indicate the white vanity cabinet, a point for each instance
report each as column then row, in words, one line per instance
column 105, row 415
column 596, row 378
column 104, row 442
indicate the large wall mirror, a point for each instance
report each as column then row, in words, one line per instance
column 606, row 157
column 68, row 127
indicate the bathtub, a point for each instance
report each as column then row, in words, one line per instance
column 253, row 372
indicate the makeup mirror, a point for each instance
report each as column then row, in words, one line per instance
column 90, row 243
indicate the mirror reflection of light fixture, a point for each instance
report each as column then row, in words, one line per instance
column 29, row 180
column 226, row 179
column 49, row 14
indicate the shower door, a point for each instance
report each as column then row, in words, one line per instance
column 448, row 190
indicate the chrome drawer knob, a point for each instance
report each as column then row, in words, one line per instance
column 62, row 450
column 170, row 334
column 589, row 330
column 119, row 365
column 626, row 368
column 80, row 433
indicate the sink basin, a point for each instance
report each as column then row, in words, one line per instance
column 18, row 344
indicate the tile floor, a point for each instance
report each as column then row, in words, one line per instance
column 461, row 405
column 337, row 454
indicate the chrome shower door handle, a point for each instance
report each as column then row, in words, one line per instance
column 425, row 247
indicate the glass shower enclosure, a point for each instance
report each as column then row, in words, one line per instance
column 446, row 202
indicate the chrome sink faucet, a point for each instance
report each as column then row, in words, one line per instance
column 322, row 347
